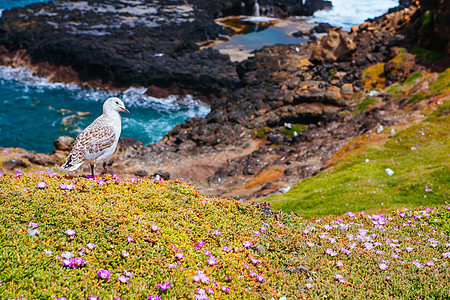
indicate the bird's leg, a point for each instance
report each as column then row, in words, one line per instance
column 92, row 171
column 104, row 168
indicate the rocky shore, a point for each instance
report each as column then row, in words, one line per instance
column 275, row 119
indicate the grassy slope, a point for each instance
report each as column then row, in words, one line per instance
column 106, row 213
column 418, row 155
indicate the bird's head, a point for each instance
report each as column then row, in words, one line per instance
column 114, row 104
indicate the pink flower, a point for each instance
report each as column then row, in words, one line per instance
column 254, row 260
column 216, row 232
column 225, row 248
column 383, row 266
column 339, row 263
column 164, row 286
column 225, row 288
column 211, row 261
column 91, row 246
column 130, row 239
column 125, row 253
column 104, row 274
column 200, row 276
column 340, row 277
column 331, row 252
column 70, row 232
column 417, row 264
column 309, row 285
column 154, row 227
column 179, row 255
column 446, row 254
column 123, row 279
column 41, row 185
column 247, row 244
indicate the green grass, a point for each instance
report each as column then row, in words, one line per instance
column 413, row 78
column 417, row 97
column 105, row 213
column 261, row 133
column 294, row 128
column 418, row 155
column 365, row 105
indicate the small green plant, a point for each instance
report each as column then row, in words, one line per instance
column 298, row 128
column 413, row 78
column 261, row 133
column 427, row 54
column 427, row 18
column 364, row 105
column 417, row 97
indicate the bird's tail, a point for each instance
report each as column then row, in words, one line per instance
column 69, row 164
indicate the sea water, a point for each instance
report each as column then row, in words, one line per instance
column 346, row 13
column 34, row 112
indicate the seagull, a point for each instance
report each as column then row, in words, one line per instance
column 98, row 142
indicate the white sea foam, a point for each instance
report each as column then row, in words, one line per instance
column 132, row 97
column 346, row 13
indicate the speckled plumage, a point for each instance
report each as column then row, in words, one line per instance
column 98, row 142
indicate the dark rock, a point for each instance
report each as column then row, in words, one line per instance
column 162, row 174
column 259, row 249
column 321, row 28
column 15, row 163
column 64, row 143
column 141, row 173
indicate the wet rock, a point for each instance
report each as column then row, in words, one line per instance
column 321, row 28
column 15, row 163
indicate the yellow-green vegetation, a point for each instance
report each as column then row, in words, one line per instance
column 79, row 238
column 413, row 78
column 442, row 85
column 418, row 156
column 294, row 128
column 364, row 105
column 261, row 133
column 413, row 87
column 373, row 77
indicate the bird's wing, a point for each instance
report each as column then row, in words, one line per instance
column 92, row 142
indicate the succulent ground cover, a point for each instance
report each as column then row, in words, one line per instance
column 79, row 238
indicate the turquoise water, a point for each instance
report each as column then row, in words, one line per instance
column 35, row 112
column 7, row 4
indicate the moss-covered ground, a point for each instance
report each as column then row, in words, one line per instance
column 76, row 238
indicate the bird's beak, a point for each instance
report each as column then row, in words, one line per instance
column 125, row 110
